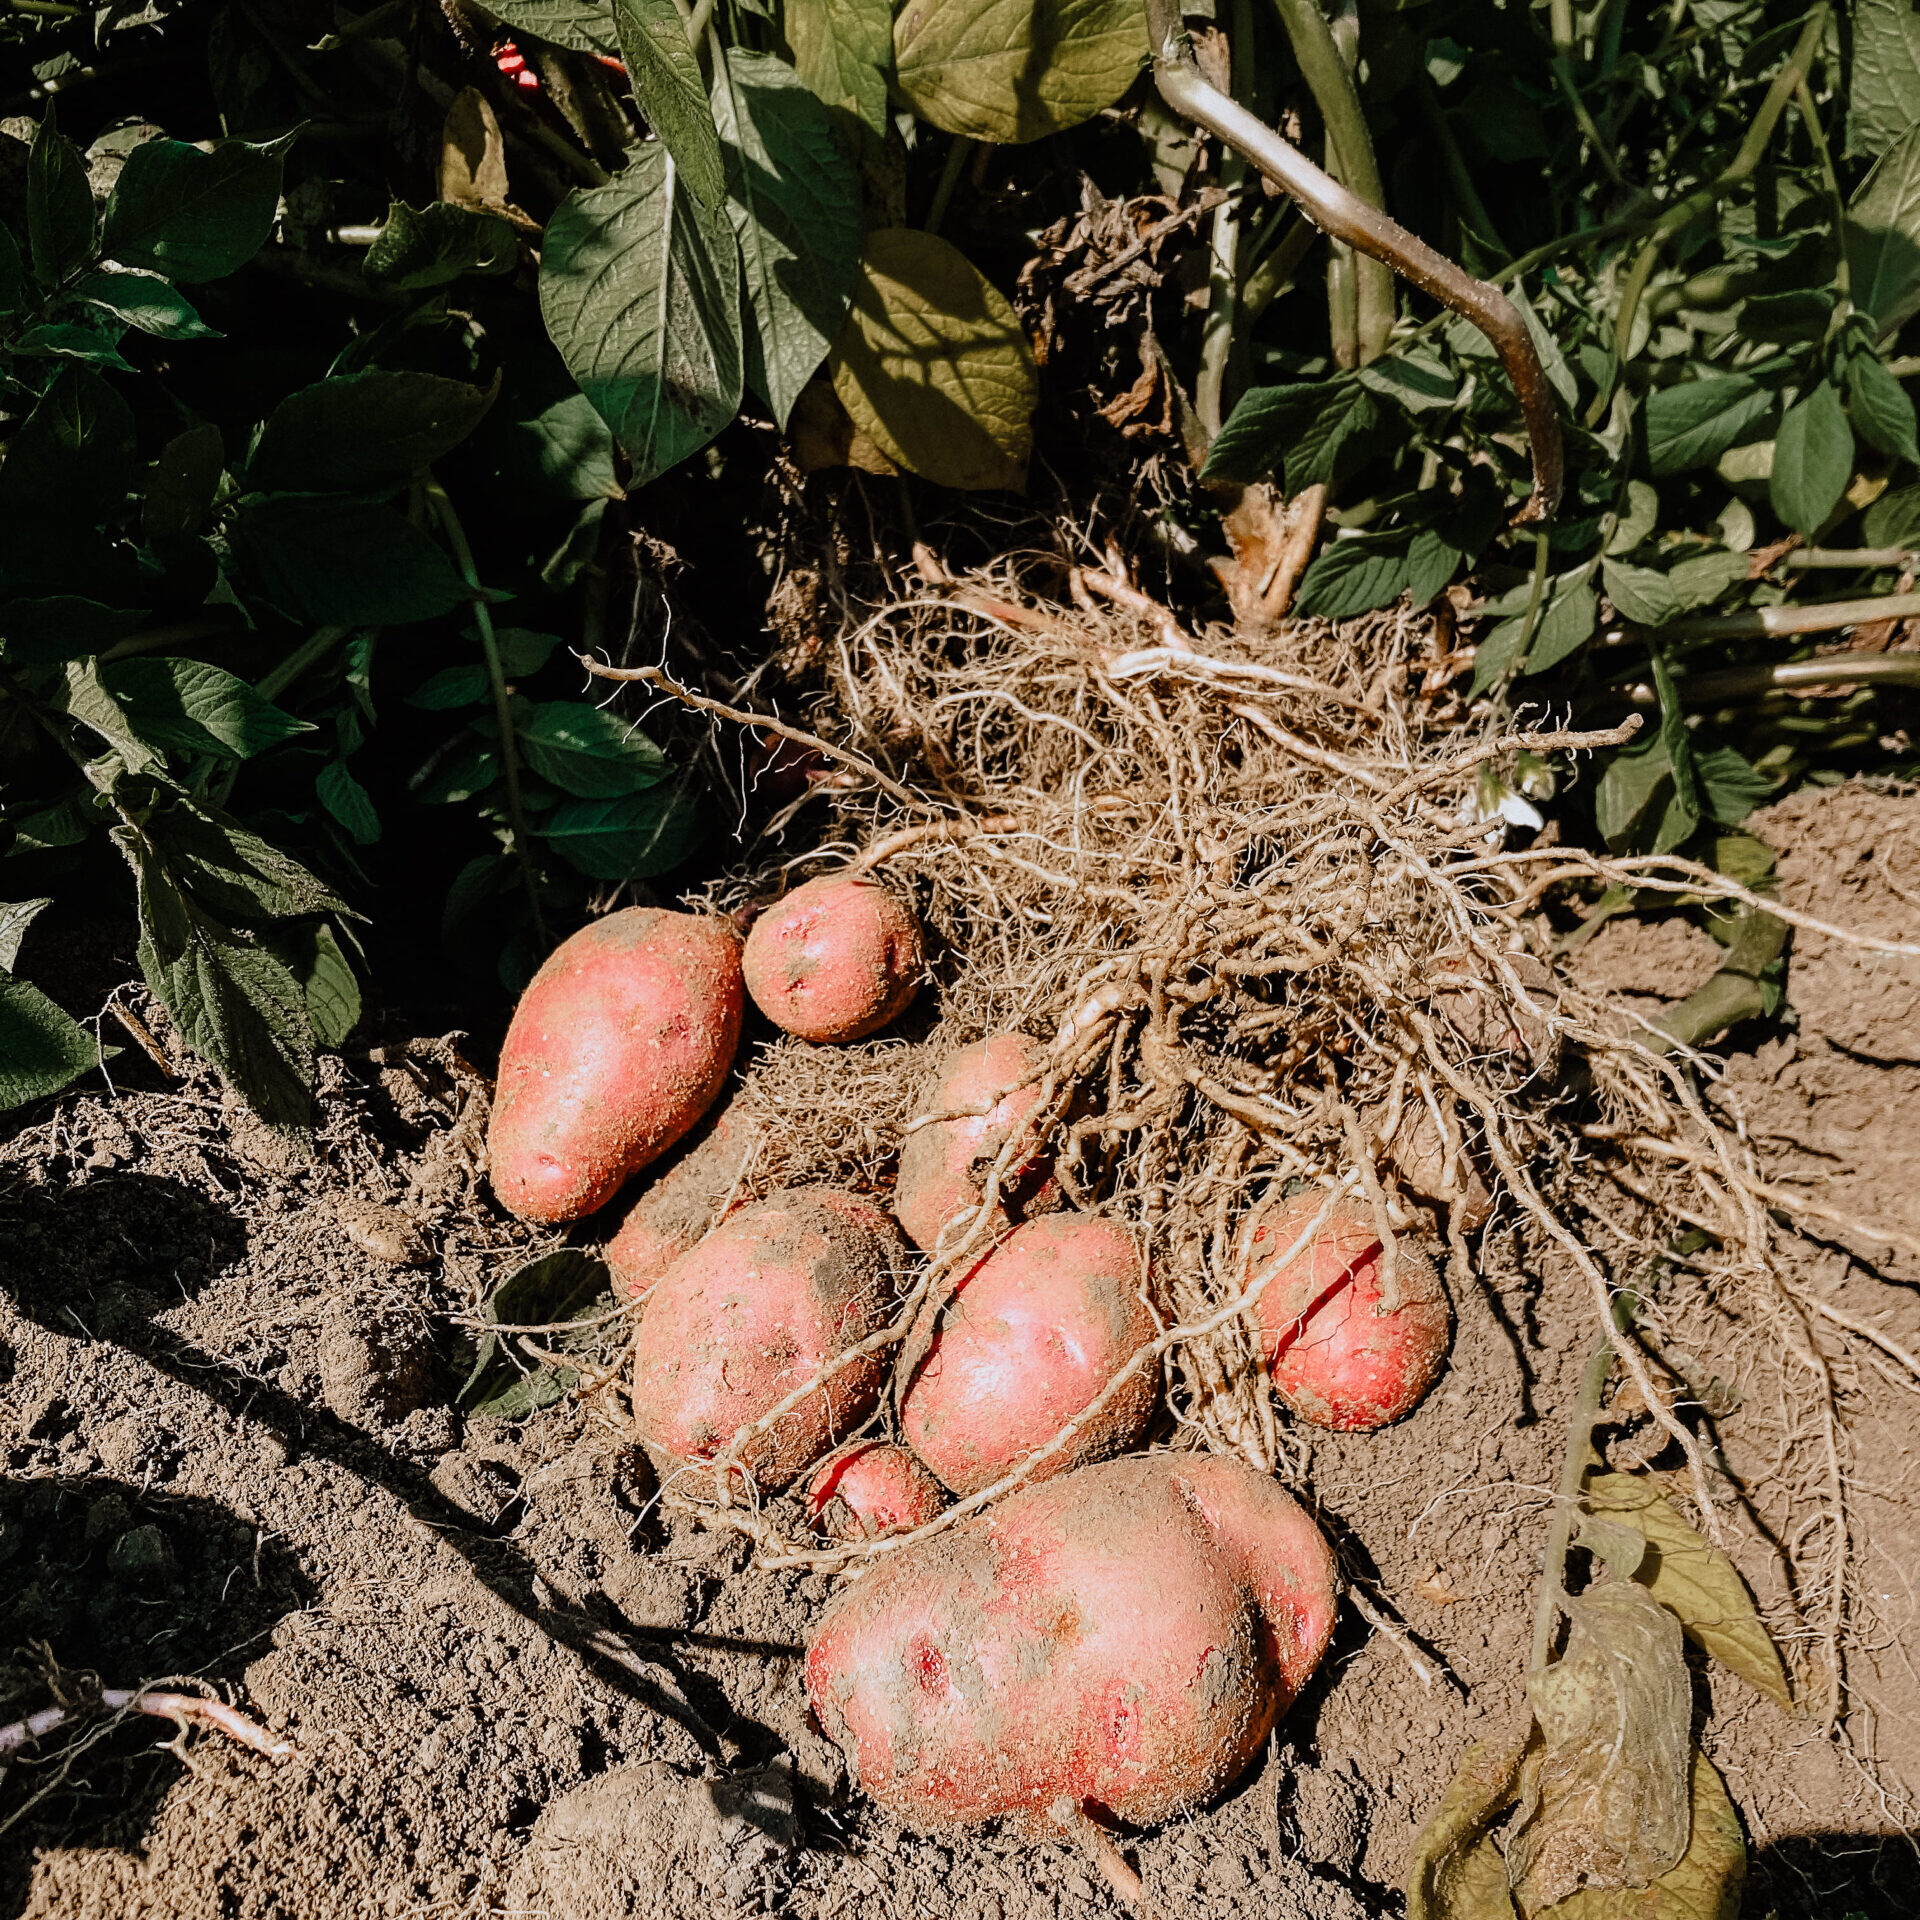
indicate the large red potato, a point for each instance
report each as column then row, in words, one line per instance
column 620, row 1043
column 944, row 1165
column 1123, row 1637
column 690, row 1194
column 1337, row 1360
column 1026, row 1341
column 868, row 1487
column 751, row 1314
column 835, row 960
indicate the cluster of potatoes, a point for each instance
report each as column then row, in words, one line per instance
column 1117, row 1637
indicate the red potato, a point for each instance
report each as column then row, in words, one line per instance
column 1027, row 1340
column 1123, row 1638
column 620, row 1043
column 943, row 1166
column 1337, row 1360
column 691, row 1195
column 752, row 1313
column 870, row 1486
column 835, row 960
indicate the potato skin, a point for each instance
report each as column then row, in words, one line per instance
column 943, row 1167
column 620, row 1043
column 1336, row 1361
column 753, row 1312
column 689, row 1196
column 835, row 960
column 1124, row 1635
column 1027, row 1340
column 868, row 1487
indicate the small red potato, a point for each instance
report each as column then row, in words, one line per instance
column 1122, row 1638
column 1337, row 1359
column 944, row 1165
column 751, row 1314
column 1026, row 1341
column 869, row 1487
column 691, row 1194
column 835, row 960
column 620, row 1043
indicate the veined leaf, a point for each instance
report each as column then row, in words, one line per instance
column 61, row 627
column 1883, row 89
column 1012, row 70
column 147, row 301
column 630, row 838
column 588, row 751
column 185, row 479
column 42, row 1047
column 1883, row 236
column 582, row 26
column 363, row 430
column 326, row 979
column 1349, row 577
column 434, row 245
column 16, row 916
column 188, row 706
column 933, row 364
column 1881, row 408
column 346, row 563
column 1457, row 1871
column 348, row 801
column 193, row 215
column 1694, row 423
column 842, row 50
column 1812, row 459
column 1301, row 432
column 640, row 289
column 1640, row 593
column 71, row 459
column 60, row 221
column 558, row 1287
column 667, row 84
column 793, row 198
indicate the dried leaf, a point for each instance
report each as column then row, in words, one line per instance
column 1695, row 1580
column 473, row 155
column 1605, row 1805
column 1457, row 1871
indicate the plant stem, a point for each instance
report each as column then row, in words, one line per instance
column 449, row 519
column 308, row 654
column 1833, row 669
column 1218, row 335
column 949, row 179
column 1776, row 621
column 1271, row 278
column 1560, row 19
column 1472, row 208
column 1836, row 202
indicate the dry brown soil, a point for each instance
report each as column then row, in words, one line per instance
column 229, row 1451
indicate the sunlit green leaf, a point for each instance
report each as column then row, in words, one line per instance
column 1812, row 459
column 1694, row 423
column 1883, row 236
column 669, row 90
column 842, row 50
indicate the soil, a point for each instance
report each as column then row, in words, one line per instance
column 226, row 1374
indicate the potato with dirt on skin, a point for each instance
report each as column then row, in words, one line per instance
column 620, row 1043
column 868, row 1488
column 688, row 1197
column 1122, row 1639
column 1026, row 1341
column 1337, row 1358
column 992, row 1088
column 836, row 959
column 750, row 1315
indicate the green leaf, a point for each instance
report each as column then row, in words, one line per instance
column 1350, row 577
column 1432, row 560
column 640, row 290
column 562, row 449
column 346, row 563
column 1635, row 805
column 1572, row 613
column 146, row 301
column 1731, row 786
column 522, row 651
column 1696, row 582
column 1694, row 423
column 15, row 295
column 793, row 198
column 588, row 751
column 188, row 706
column 234, row 873
column 328, row 981
column 87, row 699
column 1880, row 408
column 1893, row 519
column 93, row 340
column 582, row 26
column 842, row 50
column 1013, row 70
column 1883, row 236
column 461, row 776
column 669, row 90
column 632, row 838
column 1418, row 378
column 462, row 686
column 61, row 627
column 63, row 824
column 934, row 365
column 358, row 431
column 1678, row 741
column 1883, row 88
column 1457, row 1872
column 192, row 215
column 16, row 916
column 1812, row 460
column 548, row 1293
column 60, row 219
column 71, row 460
column 42, row 1047
column 435, row 245
column 185, row 479
column 1298, row 431
column 1640, row 593
column 348, row 801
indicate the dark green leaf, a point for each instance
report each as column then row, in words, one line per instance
column 1299, row 431
column 588, row 751
column 43, row 633
column 1351, row 577
column 16, row 916
column 72, row 458
column 42, row 1048
column 547, row 1293
column 670, row 92
column 475, row 887
column 87, row 699
column 1634, row 805
column 1883, row 87
column 93, row 340
column 1678, row 742
column 582, row 26
column 348, row 801
column 1693, row 424
column 60, row 219
column 193, row 215
column 1432, row 560
column 1812, row 460
column 627, row 839
column 64, row 824
column 1883, row 236
column 363, row 430
column 1731, row 786
column 1640, row 593
column 1418, row 378
column 461, row 776
column 344, row 563
column 1693, row 583
column 1572, row 612
column 522, row 651
column 450, row 687
column 234, row 873
column 1797, row 316
column 793, row 198
column 188, row 706
column 146, row 301
column 435, row 245
column 577, row 548
column 326, row 979
column 1892, row 519
column 1880, row 408
column 843, row 50
column 640, row 290
column 186, row 477
column 15, row 295
column 564, row 450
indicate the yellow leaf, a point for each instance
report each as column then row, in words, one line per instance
column 823, row 434
column 1695, row 1580
column 933, row 366
column 1011, row 70
column 1457, row 1871
column 473, row 155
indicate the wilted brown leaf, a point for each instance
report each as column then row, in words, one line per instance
column 473, row 155
column 1457, row 1871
